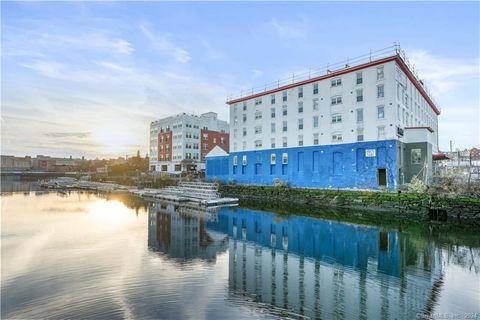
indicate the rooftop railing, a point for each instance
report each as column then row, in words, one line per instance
column 393, row 50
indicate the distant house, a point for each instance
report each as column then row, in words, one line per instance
column 12, row 163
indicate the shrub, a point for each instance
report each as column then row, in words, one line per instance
column 416, row 186
column 279, row 183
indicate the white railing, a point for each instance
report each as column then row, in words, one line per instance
column 330, row 68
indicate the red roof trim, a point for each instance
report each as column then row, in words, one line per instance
column 440, row 156
column 395, row 58
column 428, row 128
column 419, row 87
column 301, row 83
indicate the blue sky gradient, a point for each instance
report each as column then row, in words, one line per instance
column 84, row 78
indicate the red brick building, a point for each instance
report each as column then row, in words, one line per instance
column 210, row 139
column 165, row 146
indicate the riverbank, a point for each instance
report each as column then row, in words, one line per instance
column 415, row 207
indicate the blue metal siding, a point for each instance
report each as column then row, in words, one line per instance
column 330, row 166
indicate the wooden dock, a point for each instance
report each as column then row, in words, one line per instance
column 201, row 193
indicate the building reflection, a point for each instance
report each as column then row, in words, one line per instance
column 181, row 233
column 323, row 269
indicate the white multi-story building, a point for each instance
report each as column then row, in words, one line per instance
column 375, row 101
column 185, row 137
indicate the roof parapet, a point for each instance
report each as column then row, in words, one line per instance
column 372, row 56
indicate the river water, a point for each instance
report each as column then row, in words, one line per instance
column 87, row 256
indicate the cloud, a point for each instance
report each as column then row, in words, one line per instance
column 162, row 43
column 443, row 74
column 40, row 43
column 68, row 134
column 288, row 30
column 256, row 73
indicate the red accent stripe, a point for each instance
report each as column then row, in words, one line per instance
column 395, row 58
column 428, row 128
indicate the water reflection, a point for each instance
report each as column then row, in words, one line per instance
column 86, row 255
column 179, row 231
column 319, row 268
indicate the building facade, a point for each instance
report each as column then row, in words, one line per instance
column 372, row 125
column 180, row 142
column 12, row 163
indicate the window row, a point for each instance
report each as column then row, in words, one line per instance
column 335, row 137
column 336, row 100
column 335, row 119
column 336, row 82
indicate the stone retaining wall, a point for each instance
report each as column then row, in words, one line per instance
column 399, row 205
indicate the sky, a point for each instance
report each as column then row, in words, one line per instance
column 87, row 78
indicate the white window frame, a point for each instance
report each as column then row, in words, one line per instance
column 336, row 82
column 337, row 137
column 381, row 107
column 336, row 118
column 244, row 160
column 336, row 100
column 380, row 73
column 284, row 158
column 273, row 158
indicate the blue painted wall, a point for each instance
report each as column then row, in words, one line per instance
column 329, row 166
column 333, row 242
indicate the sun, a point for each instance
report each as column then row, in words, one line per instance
column 115, row 139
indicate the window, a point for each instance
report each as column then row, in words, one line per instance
column 244, row 160
column 381, row 112
column 300, row 92
column 258, row 143
column 272, row 143
column 315, row 88
column 336, row 137
column 272, row 99
column 244, row 106
column 284, row 96
column 359, row 95
column 258, row 115
column 359, row 115
column 359, row 77
column 272, row 112
column 337, row 118
column 336, row 100
column 244, row 145
column 300, row 140
column 300, row 124
column 244, row 118
column 284, row 142
column 359, row 134
column 380, row 91
column 381, row 132
column 300, row 107
column 235, row 160
column 284, row 110
column 380, row 74
column 416, row 155
column 258, row 129
column 273, row 158
column 315, row 104
column 315, row 139
column 244, row 133
column 285, row 158
column 315, row 121
column 284, row 126
column 336, row 82
column 273, row 129
column 258, row 101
